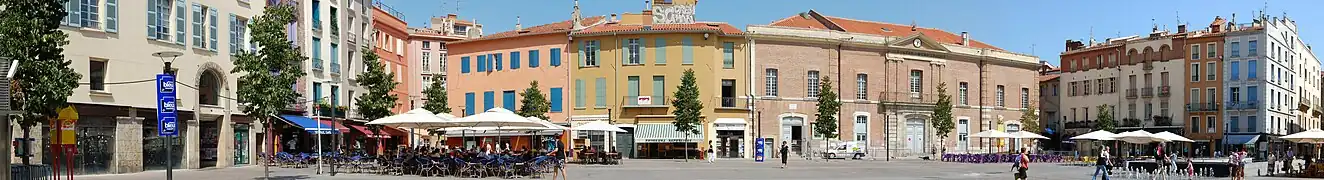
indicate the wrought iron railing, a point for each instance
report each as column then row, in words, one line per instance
column 644, row 101
column 1202, row 107
column 1165, row 91
column 731, row 102
column 1147, row 92
column 1131, row 93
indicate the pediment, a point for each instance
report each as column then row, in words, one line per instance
column 918, row 41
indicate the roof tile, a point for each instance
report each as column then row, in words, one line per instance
column 876, row 28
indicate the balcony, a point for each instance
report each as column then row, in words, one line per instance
column 1165, row 91
column 731, row 103
column 335, row 68
column 644, row 101
column 1086, row 124
column 1202, row 107
column 1242, row 105
column 297, row 105
column 1149, row 65
column 1162, row 121
column 1131, row 93
column 1147, row 92
column 1130, row 122
column 317, row 64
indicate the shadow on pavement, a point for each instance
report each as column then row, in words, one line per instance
column 284, row 177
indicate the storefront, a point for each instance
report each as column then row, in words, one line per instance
column 301, row 135
column 662, row 141
column 730, row 141
column 95, row 138
column 241, row 140
column 154, row 147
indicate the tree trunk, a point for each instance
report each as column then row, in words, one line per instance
column 270, row 148
column 687, row 148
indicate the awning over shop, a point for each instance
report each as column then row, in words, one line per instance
column 729, row 124
column 391, row 131
column 339, row 126
column 368, row 132
column 1241, row 139
column 665, row 133
column 308, row 124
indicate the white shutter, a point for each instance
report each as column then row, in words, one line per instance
column 179, row 21
column 211, row 29
column 112, row 16
column 152, row 18
column 197, row 25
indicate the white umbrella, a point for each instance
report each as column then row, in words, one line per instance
column 1309, row 136
column 1026, row 135
column 495, row 117
column 598, row 126
column 1169, row 136
column 548, row 124
column 1138, row 137
column 1096, row 135
column 992, row 133
column 417, row 118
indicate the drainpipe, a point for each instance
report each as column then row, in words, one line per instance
column 749, row 91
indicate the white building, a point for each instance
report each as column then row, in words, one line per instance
column 1275, row 83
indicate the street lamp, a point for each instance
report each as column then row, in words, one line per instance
column 168, row 57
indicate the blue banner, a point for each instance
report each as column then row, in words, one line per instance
column 759, row 149
column 166, row 123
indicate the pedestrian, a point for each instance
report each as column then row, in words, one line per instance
column 1102, row 164
column 711, row 155
column 785, row 150
column 560, row 152
column 1024, row 162
column 1273, row 163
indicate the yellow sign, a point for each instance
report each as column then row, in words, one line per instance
column 67, row 119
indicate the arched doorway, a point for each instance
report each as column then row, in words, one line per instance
column 792, row 132
column 209, row 84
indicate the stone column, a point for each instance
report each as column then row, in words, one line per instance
column 225, row 142
column 192, row 142
column 128, row 156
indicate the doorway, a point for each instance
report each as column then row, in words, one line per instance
column 915, row 136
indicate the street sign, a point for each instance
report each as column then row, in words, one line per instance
column 759, row 149
column 165, row 115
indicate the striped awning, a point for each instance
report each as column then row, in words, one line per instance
column 665, row 133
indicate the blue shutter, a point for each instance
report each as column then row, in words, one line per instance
column 514, row 60
column 661, row 47
column 498, row 61
column 211, row 17
column 464, row 64
column 72, row 18
column 488, row 100
column 508, row 99
column 482, row 63
column 469, row 103
column 179, row 21
column 532, row 58
column 555, row 57
column 555, row 93
column 234, row 34
column 624, row 51
column 112, row 16
column 197, row 25
column 600, row 92
column 643, row 49
column 579, row 93
column 581, row 54
column 686, row 51
column 152, row 18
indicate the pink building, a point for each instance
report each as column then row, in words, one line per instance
column 428, row 51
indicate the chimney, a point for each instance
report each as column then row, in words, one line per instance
column 965, row 38
column 452, row 16
column 1181, row 28
column 613, row 17
column 518, row 27
column 1074, row 45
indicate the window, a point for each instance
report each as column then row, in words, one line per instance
column 770, row 84
column 1235, row 67
column 632, row 86
column 1001, row 96
column 482, row 63
column 1209, row 124
column 1211, row 96
column 489, row 100
column 1212, row 70
column 426, row 56
column 590, row 53
column 1212, row 50
column 158, row 20
column 1234, row 95
column 1195, row 51
column 469, row 103
column 916, row 82
column 86, row 14
column 632, row 51
column 508, row 99
column 97, row 74
column 660, row 51
column 317, row 16
column 812, row 82
column 317, row 53
column 496, row 59
column 964, row 93
column 659, row 86
column 533, row 58
column 1234, row 124
column 579, row 93
column 1251, row 69
column 335, row 58
column 238, row 28
column 729, row 55
column 861, row 86
column 1252, row 48
column 861, row 136
column 464, row 65
column 317, row 92
column 555, row 55
column 1195, row 124
column 514, row 60
column 1072, row 90
column 1131, row 111
column 1025, row 97
column 1086, row 87
column 1195, row 96
column 1252, row 95
column 1195, row 72
column 427, row 45
column 1098, row 61
column 555, row 94
column 1236, row 49
column 687, row 51
column 1250, row 124
column 600, row 92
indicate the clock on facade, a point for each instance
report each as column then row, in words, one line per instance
column 916, row 43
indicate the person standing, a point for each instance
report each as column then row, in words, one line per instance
column 1273, row 163
column 1102, row 164
column 784, row 150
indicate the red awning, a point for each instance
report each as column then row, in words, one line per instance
column 390, row 131
column 340, row 126
column 369, row 132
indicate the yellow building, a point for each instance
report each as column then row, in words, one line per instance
column 627, row 69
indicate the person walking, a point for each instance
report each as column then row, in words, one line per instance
column 1102, row 164
column 1273, row 163
column 712, row 155
column 785, row 150
column 1024, row 162
column 560, row 152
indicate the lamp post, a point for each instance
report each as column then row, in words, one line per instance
column 335, row 103
column 168, row 57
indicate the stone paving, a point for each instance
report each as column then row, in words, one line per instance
column 693, row 170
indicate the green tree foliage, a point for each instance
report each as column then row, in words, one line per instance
column 534, row 103
column 437, row 102
column 264, row 86
column 29, row 33
column 825, row 122
column 377, row 103
column 942, row 114
column 1105, row 119
column 1030, row 120
column 688, row 108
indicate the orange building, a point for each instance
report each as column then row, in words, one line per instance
column 391, row 40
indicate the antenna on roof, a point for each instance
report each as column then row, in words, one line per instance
column 1091, row 37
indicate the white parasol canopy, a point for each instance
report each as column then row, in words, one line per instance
column 1139, row 137
column 417, row 118
column 992, row 133
column 495, row 117
column 598, row 126
column 1096, row 135
column 1169, row 136
column 549, row 125
column 1309, row 136
column 1026, row 135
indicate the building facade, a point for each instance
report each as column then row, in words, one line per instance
column 117, row 121
column 1090, row 80
column 1204, row 79
column 1050, row 103
column 391, row 40
column 428, row 50
column 1280, row 98
column 990, row 87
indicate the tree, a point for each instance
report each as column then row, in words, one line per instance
column 825, row 122
column 942, row 115
column 377, row 103
column 44, row 80
column 1105, row 119
column 687, row 107
column 1030, row 120
column 534, row 103
column 264, row 86
column 437, row 102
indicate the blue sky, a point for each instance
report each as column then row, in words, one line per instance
column 1039, row 27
